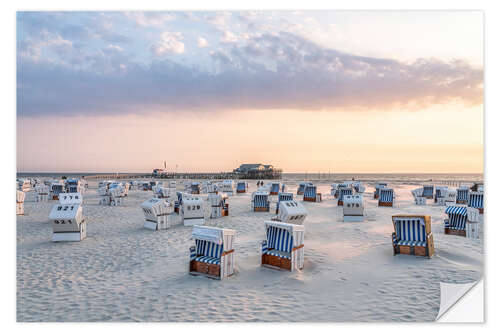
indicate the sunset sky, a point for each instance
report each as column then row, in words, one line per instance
column 308, row 91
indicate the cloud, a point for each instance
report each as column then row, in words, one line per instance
column 170, row 42
column 281, row 71
column 228, row 37
column 32, row 48
column 202, row 42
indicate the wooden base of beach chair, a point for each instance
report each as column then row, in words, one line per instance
column 195, row 192
column 429, row 197
column 310, row 199
column 176, row 210
column 261, row 209
column 340, row 203
column 276, row 262
column 385, row 204
column 55, row 197
column 462, row 202
column 412, row 250
column 240, row 191
column 481, row 210
column 448, row 231
column 273, row 193
column 300, row 192
column 375, row 196
column 421, row 251
column 209, row 270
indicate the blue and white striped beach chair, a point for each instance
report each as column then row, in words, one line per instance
column 275, row 188
column 428, row 192
column 213, row 254
column 476, row 200
column 260, row 202
column 195, row 188
column 241, row 187
column 412, row 235
column 284, row 246
column 456, row 222
column 311, row 194
column 462, row 195
column 386, row 197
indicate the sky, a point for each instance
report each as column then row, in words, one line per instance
column 306, row 91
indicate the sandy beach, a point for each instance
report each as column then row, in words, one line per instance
column 123, row 272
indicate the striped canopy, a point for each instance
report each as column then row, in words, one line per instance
column 457, row 210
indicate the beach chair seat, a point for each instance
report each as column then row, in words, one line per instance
column 411, row 242
column 277, row 253
column 208, row 260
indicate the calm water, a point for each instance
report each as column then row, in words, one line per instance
column 452, row 179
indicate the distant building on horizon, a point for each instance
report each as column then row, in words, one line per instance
column 258, row 171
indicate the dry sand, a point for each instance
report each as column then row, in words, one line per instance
column 123, row 272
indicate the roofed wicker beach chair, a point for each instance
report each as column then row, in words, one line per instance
column 463, row 195
column 343, row 191
column 462, row 221
column 157, row 214
column 260, row 201
column 353, row 208
column 412, row 235
column 241, row 187
column 67, row 222
column 213, row 253
column 476, row 200
column 311, row 194
column 440, row 192
column 218, row 205
column 386, row 197
column 291, row 211
column 284, row 246
column 192, row 211
column 228, row 187
column 56, row 188
column 428, row 192
column 274, row 188
column 195, row 188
